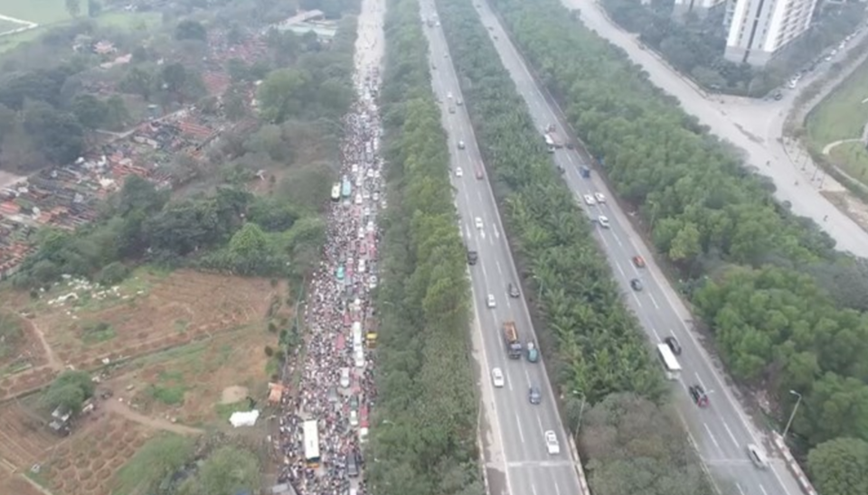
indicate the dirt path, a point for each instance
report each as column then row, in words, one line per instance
column 122, row 409
column 49, row 352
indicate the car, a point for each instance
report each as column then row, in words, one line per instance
column 376, row 196
column 345, row 378
column 371, row 226
column 533, row 395
column 532, row 352
column 600, row 197
column 354, row 419
column 461, row 145
column 757, row 456
column 585, row 172
column 459, row 102
column 354, row 402
column 472, row 257
column 352, row 465
column 491, row 302
column 552, row 445
column 449, row 94
column 673, row 344
column 589, row 200
column 497, row 377
column 459, row 172
column 451, row 109
column 639, row 261
column 478, row 222
column 700, row 398
column 372, row 282
column 479, row 174
column 636, row 284
column 603, row 221
column 512, row 289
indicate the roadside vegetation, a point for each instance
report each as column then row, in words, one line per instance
column 695, row 45
column 785, row 310
column 596, row 351
column 424, row 432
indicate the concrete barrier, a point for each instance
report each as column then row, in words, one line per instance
column 793, row 466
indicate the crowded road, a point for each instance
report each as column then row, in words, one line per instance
column 520, row 426
column 324, row 418
column 754, row 126
column 721, row 431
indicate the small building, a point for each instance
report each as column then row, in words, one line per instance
column 60, row 420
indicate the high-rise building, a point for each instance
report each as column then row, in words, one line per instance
column 758, row 29
column 698, row 7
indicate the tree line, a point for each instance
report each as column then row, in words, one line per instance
column 786, row 310
column 596, row 352
column 424, row 428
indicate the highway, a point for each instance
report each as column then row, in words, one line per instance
column 721, row 431
column 518, row 426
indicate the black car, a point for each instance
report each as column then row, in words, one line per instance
column 533, row 395
column 673, row 344
column 472, row 257
column 697, row 393
column 636, row 284
column 513, row 290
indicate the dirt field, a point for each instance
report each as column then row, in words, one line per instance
column 17, row 485
column 24, row 440
column 149, row 313
column 87, row 464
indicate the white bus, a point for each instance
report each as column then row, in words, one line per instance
column 670, row 364
column 311, row 443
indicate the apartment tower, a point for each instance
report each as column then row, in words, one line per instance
column 758, row 29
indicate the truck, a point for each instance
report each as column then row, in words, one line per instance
column 553, row 141
column 510, row 337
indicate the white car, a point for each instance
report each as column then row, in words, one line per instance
column 376, row 196
column 372, row 282
column 370, row 173
column 459, row 172
column 491, row 302
column 449, row 95
column 479, row 223
column 355, row 168
column 371, row 226
column 358, row 199
column 552, row 443
column 589, row 200
column 361, row 233
column 345, row 378
column 600, row 197
column 354, row 418
column 497, row 377
column 604, row 222
column 376, row 174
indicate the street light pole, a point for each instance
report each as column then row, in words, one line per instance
column 793, row 415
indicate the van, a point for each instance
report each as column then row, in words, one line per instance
column 757, row 456
column 352, row 465
column 359, row 358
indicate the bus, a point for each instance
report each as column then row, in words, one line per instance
column 311, row 443
column 347, row 188
column 670, row 364
column 336, row 192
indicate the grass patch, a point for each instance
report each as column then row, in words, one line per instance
column 842, row 115
column 170, row 390
column 97, row 332
column 131, row 21
column 852, row 158
column 160, row 455
column 39, row 11
column 226, row 410
column 10, row 333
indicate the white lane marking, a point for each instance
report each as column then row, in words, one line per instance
column 618, row 266
column 710, row 434
column 496, row 262
column 618, row 239
column 484, row 276
column 557, row 489
column 520, row 431
column 496, row 233
column 699, row 380
column 533, row 488
column 740, row 489
column 763, row 489
column 656, row 335
column 482, row 233
column 726, row 426
column 527, row 375
column 654, row 301
column 508, row 381
column 542, row 431
column 636, row 298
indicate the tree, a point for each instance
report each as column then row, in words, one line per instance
column 249, row 249
column 69, row 390
column 138, row 81
column 226, row 471
column 73, row 7
column 190, row 30
column 94, row 8
column 90, row 111
column 174, row 77
column 840, row 467
column 59, row 135
column 280, row 94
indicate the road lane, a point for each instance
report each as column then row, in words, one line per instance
column 530, row 469
column 722, row 431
